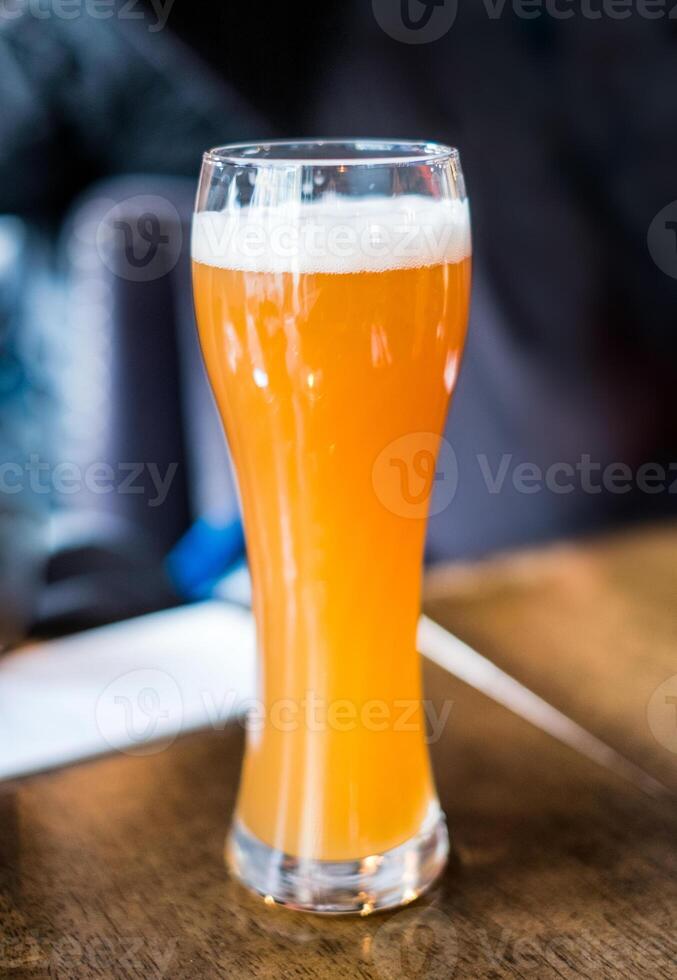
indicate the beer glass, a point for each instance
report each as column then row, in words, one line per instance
column 331, row 284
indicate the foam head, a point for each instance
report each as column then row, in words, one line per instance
column 334, row 235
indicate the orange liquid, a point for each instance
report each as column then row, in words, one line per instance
column 316, row 377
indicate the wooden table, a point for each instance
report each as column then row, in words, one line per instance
column 561, row 869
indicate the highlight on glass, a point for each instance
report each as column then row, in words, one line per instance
column 331, row 283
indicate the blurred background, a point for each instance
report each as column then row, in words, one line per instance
column 114, row 480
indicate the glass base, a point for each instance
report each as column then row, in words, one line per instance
column 362, row 886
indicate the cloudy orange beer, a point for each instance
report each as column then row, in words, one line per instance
column 332, row 357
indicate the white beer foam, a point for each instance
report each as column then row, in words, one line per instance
column 334, row 235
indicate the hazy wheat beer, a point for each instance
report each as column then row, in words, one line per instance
column 331, row 347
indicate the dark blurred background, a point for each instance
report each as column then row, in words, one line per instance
column 563, row 422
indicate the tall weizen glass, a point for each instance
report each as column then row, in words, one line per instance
column 331, row 284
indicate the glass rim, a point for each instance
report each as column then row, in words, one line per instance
column 368, row 152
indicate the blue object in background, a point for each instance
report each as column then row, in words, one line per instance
column 203, row 556
column 24, row 409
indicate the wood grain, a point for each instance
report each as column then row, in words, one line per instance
column 591, row 627
column 113, row 869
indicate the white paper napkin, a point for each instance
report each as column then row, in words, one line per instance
column 131, row 687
